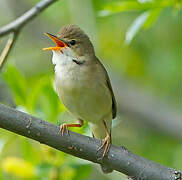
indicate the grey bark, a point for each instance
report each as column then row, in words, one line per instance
column 119, row 158
column 132, row 102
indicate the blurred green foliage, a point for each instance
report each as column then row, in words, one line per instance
column 35, row 95
column 140, row 39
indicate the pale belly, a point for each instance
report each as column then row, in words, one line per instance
column 86, row 98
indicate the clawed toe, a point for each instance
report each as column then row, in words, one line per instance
column 63, row 129
column 106, row 142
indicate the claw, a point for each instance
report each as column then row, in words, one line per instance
column 105, row 142
column 64, row 128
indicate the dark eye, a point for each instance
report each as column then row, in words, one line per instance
column 72, row 42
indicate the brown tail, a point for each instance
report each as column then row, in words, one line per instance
column 98, row 131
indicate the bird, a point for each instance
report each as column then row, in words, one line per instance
column 82, row 83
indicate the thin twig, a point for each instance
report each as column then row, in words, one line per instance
column 15, row 27
column 84, row 147
column 17, row 24
column 8, row 47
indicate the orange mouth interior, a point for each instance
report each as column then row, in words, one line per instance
column 59, row 43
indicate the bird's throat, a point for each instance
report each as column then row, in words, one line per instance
column 66, row 56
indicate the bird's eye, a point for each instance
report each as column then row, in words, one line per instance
column 72, row 42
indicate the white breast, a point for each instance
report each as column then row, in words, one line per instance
column 80, row 89
column 62, row 61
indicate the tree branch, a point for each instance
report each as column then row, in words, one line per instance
column 15, row 27
column 17, row 24
column 8, row 47
column 119, row 158
column 156, row 114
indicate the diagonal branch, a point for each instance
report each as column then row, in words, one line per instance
column 8, row 47
column 119, row 158
column 15, row 27
column 156, row 114
column 17, row 24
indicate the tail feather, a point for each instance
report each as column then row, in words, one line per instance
column 98, row 131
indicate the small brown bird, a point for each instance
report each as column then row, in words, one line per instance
column 82, row 83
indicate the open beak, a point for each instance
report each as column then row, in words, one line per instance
column 59, row 43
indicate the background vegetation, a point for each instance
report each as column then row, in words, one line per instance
column 138, row 40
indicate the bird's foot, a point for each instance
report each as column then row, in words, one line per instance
column 63, row 129
column 106, row 142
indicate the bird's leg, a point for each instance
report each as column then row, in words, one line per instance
column 64, row 126
column 106, row 141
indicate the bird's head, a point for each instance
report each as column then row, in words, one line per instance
column 71, row 39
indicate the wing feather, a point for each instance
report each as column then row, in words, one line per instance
column 108, row 84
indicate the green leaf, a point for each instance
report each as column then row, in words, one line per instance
column 154, row 14
column 116, row 7
column 17, row 83
column 136, row 26
column 2, row 143
column 104, row 13
column 43, row 170
column 36, row 87
column 126, row 6
column 145, row 20
column 144, row 1
column 28, row 150
column 48, row 101
column 82, row 171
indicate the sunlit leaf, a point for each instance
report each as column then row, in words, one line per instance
column 144, row 1
column 154, row 14
column 67, row 173
column 18, row 167
column 116, row 7
column 2, row 143
column 136, row 26
column 104, row 13
column 145, row 20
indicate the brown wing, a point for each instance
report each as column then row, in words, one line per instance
column 114, row 106
column 108, row 83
